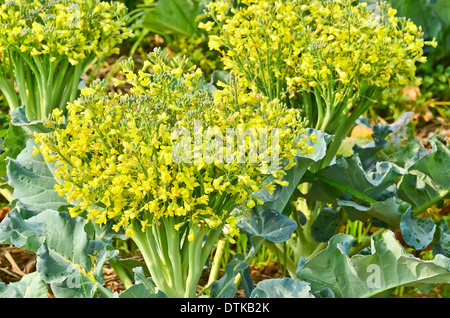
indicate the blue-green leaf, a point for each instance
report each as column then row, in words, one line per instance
column 402, row 147
column 324, row 226
column 143, row 288
column 386, row 267
column 376, row 183
column 225, row 287
column 268, row 224
column 389, row 211
column 417, row 232
column 282, row 288
column 280, row 198
column 29, row 286
column 443, row 239
column 19, row 118
column 68, row 260
column 24, row 234
column 33, row 180
column 428, row 179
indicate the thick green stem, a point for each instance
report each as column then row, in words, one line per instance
column 146, row 244
column 195, row 263
column 173, row 250
column 215, row 267
column 174, row 262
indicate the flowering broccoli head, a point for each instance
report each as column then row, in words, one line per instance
column 308, row 42
column 62, row 28
column 171, row 147
column 340, row 53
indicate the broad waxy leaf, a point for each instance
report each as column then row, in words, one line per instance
column 15, row 230
column 30, row 286
column 324, row 226
column 443, row 239
column 33, row 180
column 268, row 224
column 387, row 266
column 417, row 232
column 389, row 211
column 402, row 176
column 428, row 179
column 143, row 288
column 282, row 288
column 376, row 183
column 19, row 118
column 402, row 147
column 68, row 260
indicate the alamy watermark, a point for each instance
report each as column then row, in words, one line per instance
column 374, row 279
column 74, row 18
column 236, row 145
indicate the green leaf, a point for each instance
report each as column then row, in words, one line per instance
column 268, row 224
column 33, row 180
column 281, row 197
column 24, row 234
column 417, row 232
column 19, row 118
column 389, row 211
column 225, row 287
column 282, row 288
column 68, row 260
column 324, row 226
column 174, row 17
column 402, row 147
column 14, row 143
column 378, row 183
column 443, row 239
column 428, row 179
column 105, row 232
column 386, row 267
column 29, row 286
column 144, row 287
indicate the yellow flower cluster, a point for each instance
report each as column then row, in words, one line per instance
column 115, row 153
column 75, row 29
column 330, row 47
